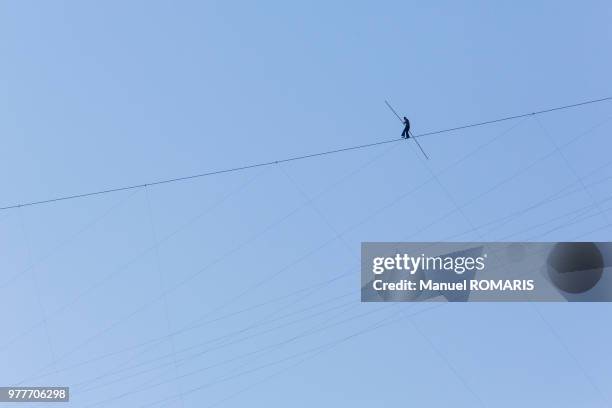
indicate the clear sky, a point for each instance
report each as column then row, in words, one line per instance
column 251, row 295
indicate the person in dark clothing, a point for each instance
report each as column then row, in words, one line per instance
column 406, row 132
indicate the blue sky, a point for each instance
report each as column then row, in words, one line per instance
column 105, row 94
